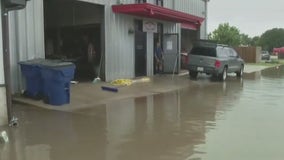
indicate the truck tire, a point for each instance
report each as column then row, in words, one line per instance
column 241, row 72
column 193, row 74
column 223, row 75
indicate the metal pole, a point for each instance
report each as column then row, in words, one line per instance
column 175, row 67
column 206, row 18
column 7, row 70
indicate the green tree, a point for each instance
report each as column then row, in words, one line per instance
column 255, row 41
column 226, row 34
column 273, row 38
column 245, row 40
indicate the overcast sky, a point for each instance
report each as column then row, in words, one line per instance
column 252, row 17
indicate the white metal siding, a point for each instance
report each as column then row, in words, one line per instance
column 123, row 1
column 203, row 34
column 26, row 38
column 109, row 2
column 101, row 2
column 1, row 52
column 119, row 48
column 194, row 7
column 169, row 4
column 197, row 8
column 151, row 1
column 150, row 54
column 3, row 105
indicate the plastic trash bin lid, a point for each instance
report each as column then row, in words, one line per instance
column 47, row 63
column 57, row 64
column 37, row 61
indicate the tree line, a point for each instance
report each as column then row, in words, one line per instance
column 231, row 35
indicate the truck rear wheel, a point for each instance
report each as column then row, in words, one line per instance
column 193, row 74
column 241, row 72
column 223, row 75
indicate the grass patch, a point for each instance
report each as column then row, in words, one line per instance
column 271, row 63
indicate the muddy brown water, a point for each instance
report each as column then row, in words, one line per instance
column 233, row 120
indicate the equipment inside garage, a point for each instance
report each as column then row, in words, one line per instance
column 188, row 37
column 73, row 32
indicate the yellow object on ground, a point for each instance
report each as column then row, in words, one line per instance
column 128, row 82
column 122, row 82
column 145, row 79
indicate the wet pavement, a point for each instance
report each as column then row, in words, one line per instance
column 232, row 120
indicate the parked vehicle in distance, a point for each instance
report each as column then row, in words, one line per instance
column 265, row 55
column 217, row 60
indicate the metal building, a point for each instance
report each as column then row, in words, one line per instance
column 125, row 38
column 3, row 107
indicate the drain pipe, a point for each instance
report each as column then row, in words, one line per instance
column 6, row 62
column 206, row 17
column 13, row 121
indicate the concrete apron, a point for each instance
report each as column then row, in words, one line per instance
column 86, row 95
column 3, row 107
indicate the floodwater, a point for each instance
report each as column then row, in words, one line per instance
column 233, row 120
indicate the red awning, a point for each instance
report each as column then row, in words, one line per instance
column 189, row 26
column 158, row 12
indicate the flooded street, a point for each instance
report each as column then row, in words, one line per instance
column 233, row 120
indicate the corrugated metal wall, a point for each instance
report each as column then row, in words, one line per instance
column 119, row 48
column 167, row 3
column 194, row 7
column 1, row 52
column 26, row 38
column 120, row 53
column 109, row 2
column 150, row 54
column 101, row 2
column 3, row 106
column 123, row 1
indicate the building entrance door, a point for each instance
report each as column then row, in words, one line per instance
column 140, row 54
column 171, row 55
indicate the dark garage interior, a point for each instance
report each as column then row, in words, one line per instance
column 73, row 32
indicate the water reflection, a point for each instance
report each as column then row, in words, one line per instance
column 275, row 72
column 253, row 76
column 268, row 90
column 167, row 126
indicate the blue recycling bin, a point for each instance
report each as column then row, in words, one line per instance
column 56, row 79
column 31, row 71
